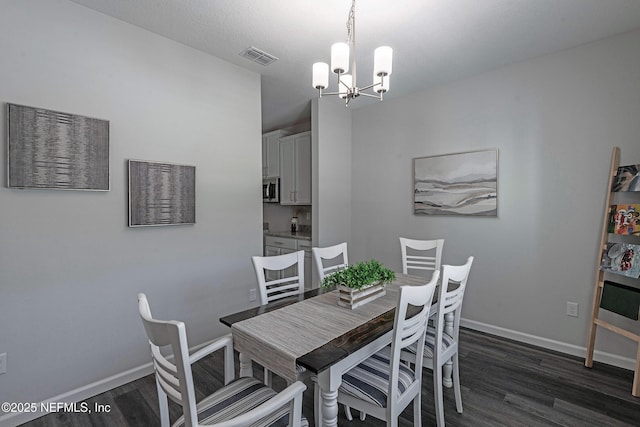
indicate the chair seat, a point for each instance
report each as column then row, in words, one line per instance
column 429, row 343
column 369, row 380
column 237, row 398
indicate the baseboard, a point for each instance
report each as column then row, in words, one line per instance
column 89, row 390
column 80, row 394
column 600, row 356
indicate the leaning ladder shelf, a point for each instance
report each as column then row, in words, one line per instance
column 599, row 285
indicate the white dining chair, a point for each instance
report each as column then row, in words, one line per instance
column 330, row 259
column 240, row 402
column 421, row 255
column 441, row 345
column 289, row 281
column 382, row 386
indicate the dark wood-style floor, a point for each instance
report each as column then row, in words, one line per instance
column 504, row 383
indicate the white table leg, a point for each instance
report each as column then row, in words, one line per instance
column 328, row 383
column 447, row 369
column 329, row 408
column 246, row 366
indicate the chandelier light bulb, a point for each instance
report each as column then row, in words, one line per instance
column 382, row 61
column 340, row 58
column 320, row 75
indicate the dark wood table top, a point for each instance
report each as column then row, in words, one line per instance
column 335, row 350
column 256, row 311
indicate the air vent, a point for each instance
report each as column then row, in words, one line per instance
column 256, row 55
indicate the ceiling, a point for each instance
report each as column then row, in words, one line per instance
column 434, row 41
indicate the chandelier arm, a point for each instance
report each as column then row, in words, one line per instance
column 340, row 82
column 371, row 86
column 370, row 95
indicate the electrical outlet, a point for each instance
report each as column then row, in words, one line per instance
column 572, row 309
column 3, row 363
column 308, row 215
column 252, row 295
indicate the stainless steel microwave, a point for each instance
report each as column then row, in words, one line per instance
column 271, row 190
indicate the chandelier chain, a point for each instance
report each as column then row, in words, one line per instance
column 351, row 20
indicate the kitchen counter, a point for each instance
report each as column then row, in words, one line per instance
column 302, row 235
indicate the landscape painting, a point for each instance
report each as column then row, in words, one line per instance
column 457, row 184
column 161, row 194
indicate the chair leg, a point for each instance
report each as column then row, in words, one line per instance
column 317, row 403
column 456, row 384
column 268, row 377
column 417, row 411
column 164, row 406
column 347, row 413
column 437, row 394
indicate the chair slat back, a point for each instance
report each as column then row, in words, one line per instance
column 410, row 330
column 330, row 253
column 173, row 378
column 450, row 296
column 429, row 259
column 275, row 289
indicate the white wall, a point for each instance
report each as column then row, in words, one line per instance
column 331, row 160
column 554, row 120
column 70, row 268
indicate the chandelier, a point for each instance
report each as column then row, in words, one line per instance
column 340, row 55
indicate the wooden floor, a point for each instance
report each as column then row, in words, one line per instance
column 504, row 383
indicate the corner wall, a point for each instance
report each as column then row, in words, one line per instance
column 554, row 120
column 331, row 157
column 70, row 268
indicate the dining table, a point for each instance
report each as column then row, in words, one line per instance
column 312, row 331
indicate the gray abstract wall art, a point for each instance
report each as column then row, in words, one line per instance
column 54, row 150
column 161, row 194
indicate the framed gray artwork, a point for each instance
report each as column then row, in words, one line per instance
column 456, row 184
column 161, row 194
column 53, row 150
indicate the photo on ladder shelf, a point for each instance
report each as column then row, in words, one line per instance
column 624, row 219
column 627, row 179
column 621, row 258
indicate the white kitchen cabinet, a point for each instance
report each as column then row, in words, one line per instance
column 305, row 245
column 295, row 169
column 281, row 245
column 271, row 153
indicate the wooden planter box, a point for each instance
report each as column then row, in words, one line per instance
column 352, row 298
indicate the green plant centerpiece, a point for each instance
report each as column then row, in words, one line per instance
column 360, row 283
column 360, row 275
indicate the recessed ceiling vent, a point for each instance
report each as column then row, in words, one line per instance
column 256, row 55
